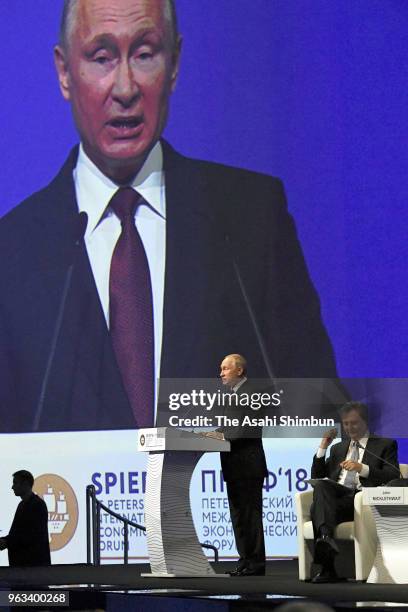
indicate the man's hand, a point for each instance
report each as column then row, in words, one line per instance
column 328, row 437
column 3, row 544
column 217, row 435
column 351, row 466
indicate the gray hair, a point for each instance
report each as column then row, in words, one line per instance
column 359, row 407
column 68, row 19
column 239, row 361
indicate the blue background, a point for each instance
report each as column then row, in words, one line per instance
column 312, row 91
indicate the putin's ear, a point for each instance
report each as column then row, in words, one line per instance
column 176, row 62
column 61, row 65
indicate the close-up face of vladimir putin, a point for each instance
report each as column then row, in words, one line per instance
column 117, row 64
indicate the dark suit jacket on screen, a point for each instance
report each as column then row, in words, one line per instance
column 215, row 215
column 27, row 541
column 380, row 473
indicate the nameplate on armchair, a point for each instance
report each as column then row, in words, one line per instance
column 385, row 496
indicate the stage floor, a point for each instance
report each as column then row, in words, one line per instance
column 121, row 588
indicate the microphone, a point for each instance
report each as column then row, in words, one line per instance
column 366, row 450
column 79, row 230
column 250, row 311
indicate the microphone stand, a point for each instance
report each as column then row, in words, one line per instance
column 80, row 229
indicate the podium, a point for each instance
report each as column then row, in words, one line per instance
column 389, row 506
column 172, row 543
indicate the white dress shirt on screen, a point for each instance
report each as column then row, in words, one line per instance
column 94, row 191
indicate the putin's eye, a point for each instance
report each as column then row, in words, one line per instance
column 101, row 59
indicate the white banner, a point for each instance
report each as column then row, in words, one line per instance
column 63, row 464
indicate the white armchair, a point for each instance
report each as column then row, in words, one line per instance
column 361, row 532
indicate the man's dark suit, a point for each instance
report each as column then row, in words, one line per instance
column 216, row 215
column 330, row 509
column 27, row 541
column 244, row 469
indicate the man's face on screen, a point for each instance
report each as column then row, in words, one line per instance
column 118, row 69
column 354, row 426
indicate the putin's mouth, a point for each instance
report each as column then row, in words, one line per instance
column 126, row 127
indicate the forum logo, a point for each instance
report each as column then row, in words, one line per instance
column 62, row 508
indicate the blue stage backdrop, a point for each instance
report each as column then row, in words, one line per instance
column 314, row 92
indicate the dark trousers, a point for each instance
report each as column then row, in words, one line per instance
column 331, row 506
column 245, row 502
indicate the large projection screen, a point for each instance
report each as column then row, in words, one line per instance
column 311, row 92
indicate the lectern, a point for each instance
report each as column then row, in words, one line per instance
column 172, row 543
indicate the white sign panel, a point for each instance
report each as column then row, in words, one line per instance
column 63, row 464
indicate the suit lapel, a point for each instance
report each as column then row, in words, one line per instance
column 205, row 316
column 85, row 366
column 370, row 446
column 194, row 274
column 340, row 456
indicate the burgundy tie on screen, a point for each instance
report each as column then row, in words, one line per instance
column 131, row 309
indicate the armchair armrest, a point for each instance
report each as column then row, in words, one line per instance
column 303, row 501
column 365, row 537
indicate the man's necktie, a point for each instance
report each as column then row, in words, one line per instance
column 350, row 480
column 131, row 310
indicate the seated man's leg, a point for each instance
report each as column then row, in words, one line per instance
column 330, row 507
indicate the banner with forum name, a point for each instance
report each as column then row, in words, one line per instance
column 63, row 464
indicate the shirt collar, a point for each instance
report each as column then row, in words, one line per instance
column 239, row 384
column 95, row 190
column 363, row 441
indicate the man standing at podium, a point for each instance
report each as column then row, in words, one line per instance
column 244, row 469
